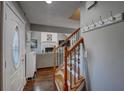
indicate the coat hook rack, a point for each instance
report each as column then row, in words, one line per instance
column 101, row 21
column 87, row 27
column 112, row 17
column 93, row 23
column 104, row 22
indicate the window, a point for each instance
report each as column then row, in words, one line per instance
column 15, row 46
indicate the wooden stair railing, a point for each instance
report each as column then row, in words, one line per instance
column 57, row 49
column 73, row 37
column 67, row 55
column 73, row 33
column 65, row 68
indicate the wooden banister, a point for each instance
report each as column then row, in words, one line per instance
column 70, row 51
column 65, row 69
column 66, row 55
column 73, row 33
column 59, row 46
column 81, row 40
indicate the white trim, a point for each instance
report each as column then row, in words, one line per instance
column 16, row 12
column 4, row 70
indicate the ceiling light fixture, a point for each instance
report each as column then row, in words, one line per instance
column 48, row 2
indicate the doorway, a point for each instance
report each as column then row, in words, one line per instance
column 14, row 50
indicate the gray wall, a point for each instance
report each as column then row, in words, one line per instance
column 1, row 50
column 45, row 28
column 105, row 48
column 37, row 36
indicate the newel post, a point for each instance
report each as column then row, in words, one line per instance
column 65, row 71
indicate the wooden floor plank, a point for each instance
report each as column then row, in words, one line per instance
column 42, row 82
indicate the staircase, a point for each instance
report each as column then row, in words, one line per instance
column 66, row 58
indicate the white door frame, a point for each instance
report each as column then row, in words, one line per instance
column 4, row 63
column 11, row 5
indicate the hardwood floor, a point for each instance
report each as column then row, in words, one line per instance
column 42, row 82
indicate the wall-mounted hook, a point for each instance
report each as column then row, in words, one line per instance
column 101, row 21
column 93, row 23
column 112, row 17
column 104, row 22
column 87, row 26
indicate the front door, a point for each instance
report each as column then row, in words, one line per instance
column 14, row 51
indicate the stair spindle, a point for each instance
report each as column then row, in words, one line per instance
column 60, row 56
column 72, row 40
column 74, row 66
column 78, row 62
column 57, row 62
column 65, row 69
column 70, row 70
column 76, row 36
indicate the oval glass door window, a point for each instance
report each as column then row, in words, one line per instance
column 16, row 51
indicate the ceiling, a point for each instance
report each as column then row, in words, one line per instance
column 55, row 14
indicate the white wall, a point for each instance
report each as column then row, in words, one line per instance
column 44, row 60
column 61, row 36
column 105, row 48
column 27, row 41
column 27, row 37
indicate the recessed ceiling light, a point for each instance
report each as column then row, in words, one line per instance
column 48, row 2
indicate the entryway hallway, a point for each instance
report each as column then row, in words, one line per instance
column 61, row 46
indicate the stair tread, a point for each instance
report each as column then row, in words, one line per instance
column 61, row 73
column 68, row 68
column 60, row 83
